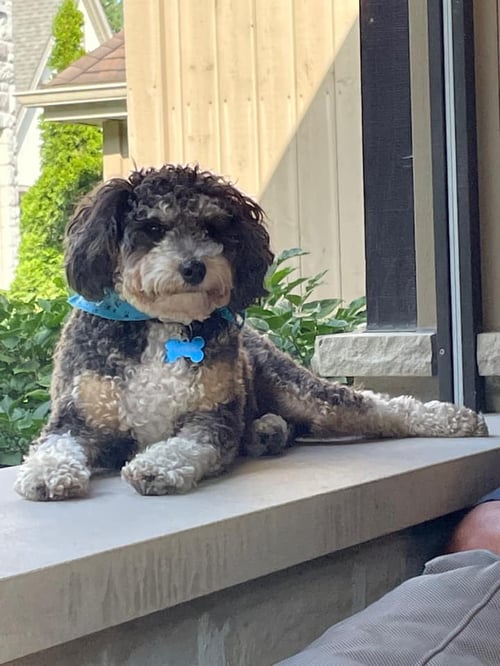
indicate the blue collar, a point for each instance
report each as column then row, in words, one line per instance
column 111, row 307
column 114, row 308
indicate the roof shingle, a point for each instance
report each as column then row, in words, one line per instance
column 106, row 64
column 32, row 32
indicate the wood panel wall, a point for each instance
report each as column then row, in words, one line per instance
column 487, row 44
column 266, row 92
column 116, row 161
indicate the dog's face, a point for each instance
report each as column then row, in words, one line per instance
column 172, row 262
column 176, row 242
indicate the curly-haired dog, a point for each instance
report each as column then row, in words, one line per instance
column 154, row 372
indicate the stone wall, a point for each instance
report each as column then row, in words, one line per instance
column 9, row 205
column 262, row 621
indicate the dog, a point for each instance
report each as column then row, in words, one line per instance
column 155, row 372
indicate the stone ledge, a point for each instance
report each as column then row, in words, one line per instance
column 381, row 354
column 71, row 569
column 263, row 621
column 488, row 354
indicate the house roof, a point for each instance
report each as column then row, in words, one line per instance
column 91, row 90
column 106, row 64
column 31, row 38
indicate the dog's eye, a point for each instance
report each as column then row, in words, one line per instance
column 155, row 231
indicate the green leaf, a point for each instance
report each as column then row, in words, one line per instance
column 36, row 394
column 340, row 324
column 9, row 342
column 42, row 410
column 278, row 276
column 27, row 367
column 44, row 380
column 5, row 404
column 357, row 304
column 289, row 254
column 259, row 324
column 296, row 283
column 278, row 320
column 294, row 299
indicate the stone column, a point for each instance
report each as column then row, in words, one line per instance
column 9, row 204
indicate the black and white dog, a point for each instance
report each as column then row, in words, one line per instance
column 154, row 372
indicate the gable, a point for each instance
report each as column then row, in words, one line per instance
column 31, row 38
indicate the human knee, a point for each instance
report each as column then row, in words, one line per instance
column 480, row 528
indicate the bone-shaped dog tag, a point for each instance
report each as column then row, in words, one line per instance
column 191, row 349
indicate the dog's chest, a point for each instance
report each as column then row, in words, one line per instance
column 156, row 393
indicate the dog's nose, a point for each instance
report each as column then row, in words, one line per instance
column 193, row 271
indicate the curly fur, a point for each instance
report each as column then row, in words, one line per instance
column 117, row 403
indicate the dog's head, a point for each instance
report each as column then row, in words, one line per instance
column 175, row 242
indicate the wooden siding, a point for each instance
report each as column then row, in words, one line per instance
column 487, row 42
column 266, row 92
column 116, row 161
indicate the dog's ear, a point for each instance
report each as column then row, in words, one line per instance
column 253, row 255
column 93, row 237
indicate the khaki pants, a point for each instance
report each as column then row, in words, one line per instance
column 448, row 616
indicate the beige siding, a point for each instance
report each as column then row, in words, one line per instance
column 237, row 89
column 314, row 196
column 422, row 165
column 266, row 92
column 116, row 161
column 486, row 23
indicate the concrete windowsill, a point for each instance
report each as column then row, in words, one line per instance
column 70, row 569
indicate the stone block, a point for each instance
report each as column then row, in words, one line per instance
column 385, row 354
column 488, row 354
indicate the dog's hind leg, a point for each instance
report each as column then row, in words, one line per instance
column 403, row 416
column 269, row 436
column 324, row 408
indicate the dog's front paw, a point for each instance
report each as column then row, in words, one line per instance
column 171, row 467
column 442, row 419
column 150, row 478
column 55, row 470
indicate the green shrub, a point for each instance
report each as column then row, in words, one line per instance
column 292, row 319
column 114, row 13
column 28, row 333
column 71, row 165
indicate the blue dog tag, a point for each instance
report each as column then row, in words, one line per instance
column 192, row 349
